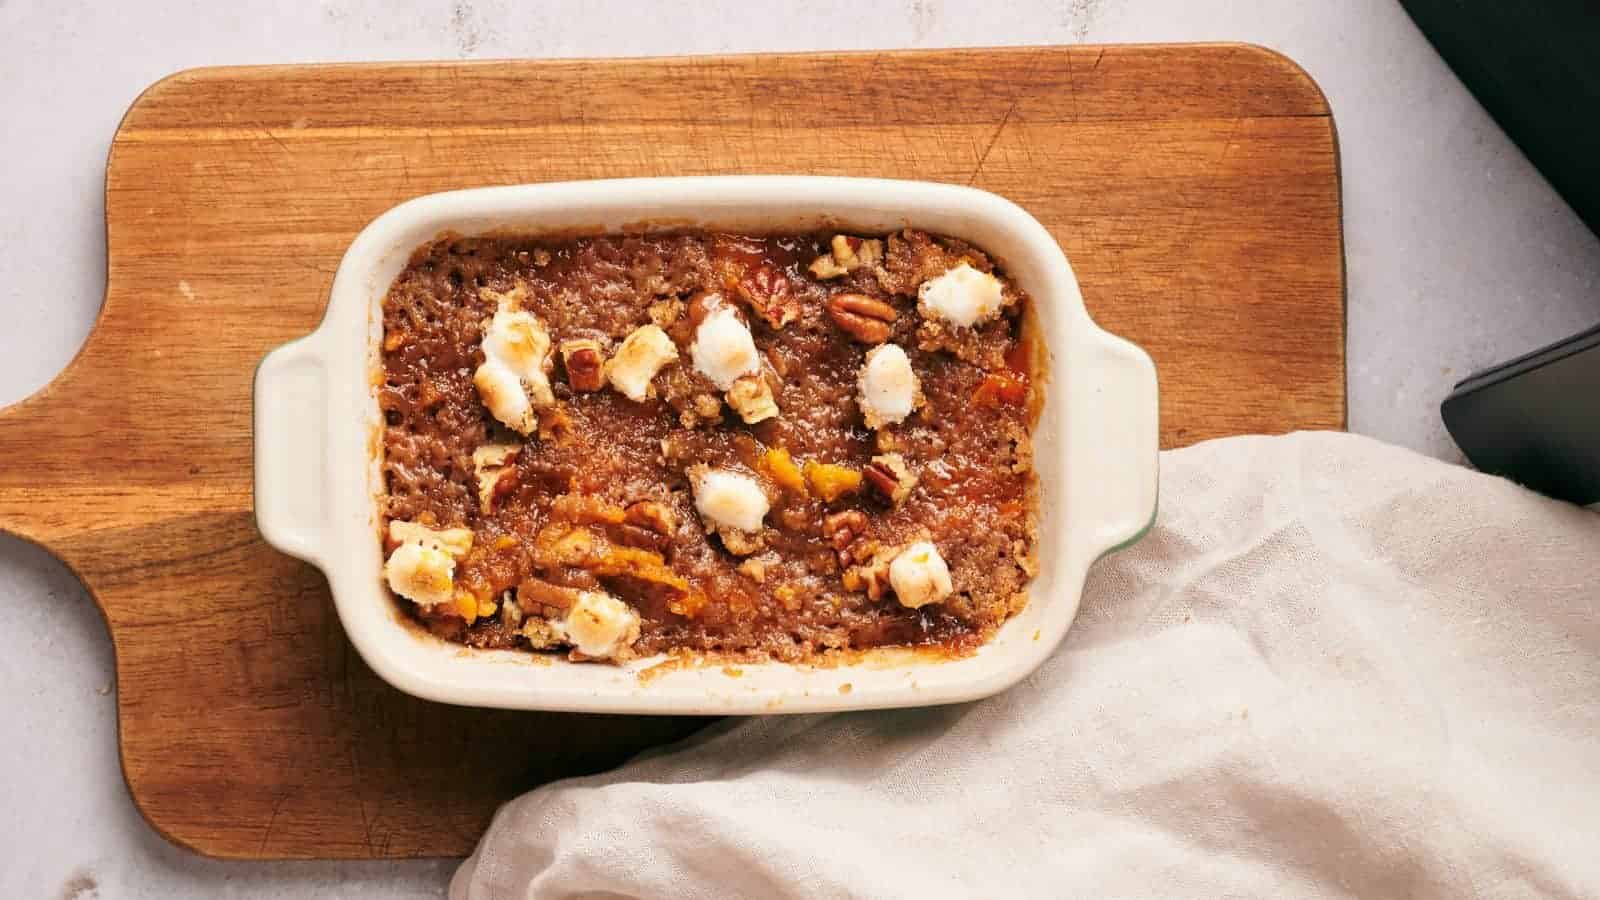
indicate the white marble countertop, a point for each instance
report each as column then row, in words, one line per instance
column 1459, row 255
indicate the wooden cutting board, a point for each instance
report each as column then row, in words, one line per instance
column 1195, row 188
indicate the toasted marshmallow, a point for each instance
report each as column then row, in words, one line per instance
column 424, row 575
column 962, row 296
column 919, row 575
column 422, row 569
column 518, row 340
column 502, row 393
column 888, row 386
column 513, row 381
column 729, row 500
column 723, row 349
column 640, row 357
column 599, row 625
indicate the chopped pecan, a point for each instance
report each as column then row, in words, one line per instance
column 855, row 252
column 864, row 318
column 663, row 313
column 495, row 474
column 754, row 569
column 554, row 424
column 1025, row 557
column 585, row 361
column 861, row 551
column 825, row 267
column 768, row 291
column 741, row 543
column 890, row 477
column 842, row 529
column 542, row 634
column 704, row 407
column 846, row 255
column 872, row 576
column 751, row 398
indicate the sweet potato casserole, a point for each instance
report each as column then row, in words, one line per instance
column 762, row 447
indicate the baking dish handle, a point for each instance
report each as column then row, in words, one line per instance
column 1125, row 479
column 291, row 425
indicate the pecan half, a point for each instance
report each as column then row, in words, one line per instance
column 890, row 477
column 867, row 320
column 586, row 364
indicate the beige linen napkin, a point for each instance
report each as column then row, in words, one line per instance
column 1334, row 668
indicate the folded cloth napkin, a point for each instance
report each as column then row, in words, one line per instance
column 1334, row 668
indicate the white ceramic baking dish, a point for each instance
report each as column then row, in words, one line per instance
column 318, row 478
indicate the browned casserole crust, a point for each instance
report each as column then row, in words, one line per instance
column 620, row 523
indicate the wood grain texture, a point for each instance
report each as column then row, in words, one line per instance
column 1195, row 189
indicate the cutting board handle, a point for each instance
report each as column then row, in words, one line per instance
column 14, row 459
column 41, row 459
column 291, row 425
